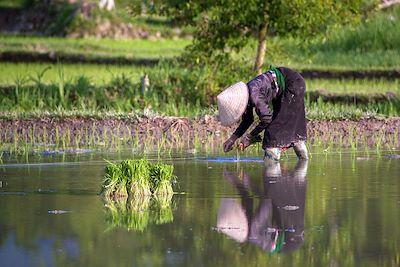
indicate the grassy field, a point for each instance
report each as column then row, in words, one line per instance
column 117, row 93
column 350, row 87
column 94, row 48
column 89, row 90
column 102, row 74
column 11, row 73
column 373, row 45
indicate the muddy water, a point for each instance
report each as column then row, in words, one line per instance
column 334, row 210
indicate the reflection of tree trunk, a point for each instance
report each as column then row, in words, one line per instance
column 107, row 4
column 262, row 45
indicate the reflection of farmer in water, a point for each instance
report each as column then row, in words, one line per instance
column 276, row 224
column 284, row 127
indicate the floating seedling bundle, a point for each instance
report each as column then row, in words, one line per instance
column 134, row 178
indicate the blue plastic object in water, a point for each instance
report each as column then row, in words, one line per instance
column 230, row 159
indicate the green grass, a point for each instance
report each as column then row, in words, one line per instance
column 351, row 87
column 12, row 3
column 65, row 90
column 97, row 74
column 94, row 48
column 373, row 45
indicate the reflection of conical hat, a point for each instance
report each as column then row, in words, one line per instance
column 232, row 220
column 232, row 103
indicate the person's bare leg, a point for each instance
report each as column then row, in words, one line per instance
column 272, row 153
column 300, row 149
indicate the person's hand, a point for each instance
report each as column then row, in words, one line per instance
column 244, row 143
column 228, row 144
column 247, row 140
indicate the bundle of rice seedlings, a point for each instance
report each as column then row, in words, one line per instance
column 137, row 173
column 161, row 179
column 114, row 184
column 136, row 178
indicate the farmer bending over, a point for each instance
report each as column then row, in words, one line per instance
column 284, row 126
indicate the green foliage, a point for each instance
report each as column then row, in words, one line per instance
column 61, row 18
column 174, row 90
column 173, row 81
column 16, row 3
column 379, row 32
column 225, row 26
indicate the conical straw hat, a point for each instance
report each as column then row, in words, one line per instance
column 232, row 103
column 232, row 220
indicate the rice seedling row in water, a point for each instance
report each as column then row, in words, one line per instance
column 136, row 178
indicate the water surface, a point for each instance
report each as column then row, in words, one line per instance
column 334, row 210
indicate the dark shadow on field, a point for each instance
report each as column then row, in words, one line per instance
column 271, row 216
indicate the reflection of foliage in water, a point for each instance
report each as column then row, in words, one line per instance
column 138, row 213
column 163, row 211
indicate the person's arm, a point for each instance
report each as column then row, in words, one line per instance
column 261, row 96
column 265, row 115
column 247, row 121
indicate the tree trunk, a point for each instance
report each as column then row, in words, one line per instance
column 388, row 3
column 262, row 45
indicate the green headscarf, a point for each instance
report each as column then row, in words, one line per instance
column 279, row 77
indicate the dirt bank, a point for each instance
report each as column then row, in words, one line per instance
column 182, row 132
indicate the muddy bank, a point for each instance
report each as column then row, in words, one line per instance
column 181, row 132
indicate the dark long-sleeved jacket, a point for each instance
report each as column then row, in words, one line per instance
column 285, row 123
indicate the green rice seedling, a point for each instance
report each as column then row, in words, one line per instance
column 138, row 174
column 161, row 144
column 68, row 136
column 378, row 143
column 19, row 82
column 161, row 176
column 61, row 84
column 44, row 141
column 78, row 138
column 57, row 141
column 114, row 184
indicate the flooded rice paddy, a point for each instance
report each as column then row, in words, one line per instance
column 336, row 209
